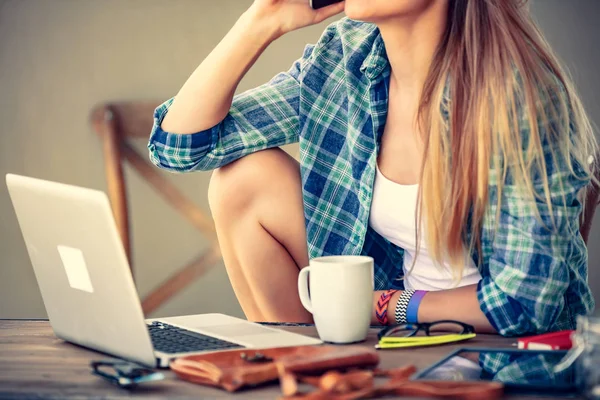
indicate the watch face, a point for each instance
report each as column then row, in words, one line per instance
column 322, row 3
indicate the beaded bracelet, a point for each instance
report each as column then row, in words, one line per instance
column 381, row 312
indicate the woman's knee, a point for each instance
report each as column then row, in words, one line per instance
column 234, row 187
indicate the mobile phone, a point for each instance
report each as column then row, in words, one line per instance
column 322, row 3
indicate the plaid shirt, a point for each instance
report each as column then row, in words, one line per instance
column 333, row 101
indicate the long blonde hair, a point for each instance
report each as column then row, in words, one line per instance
column 503, row 80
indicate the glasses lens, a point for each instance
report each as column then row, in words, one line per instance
column 401, row 331
column 446, row 328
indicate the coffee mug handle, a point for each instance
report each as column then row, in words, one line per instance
column 303, row 289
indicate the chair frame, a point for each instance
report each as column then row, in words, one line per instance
column 591, row 204
column 115, row 123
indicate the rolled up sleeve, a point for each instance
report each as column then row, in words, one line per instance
column 538, row 252
column 178, row 153
column 530, row 268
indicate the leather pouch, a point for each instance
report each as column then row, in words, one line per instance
column 237, row 369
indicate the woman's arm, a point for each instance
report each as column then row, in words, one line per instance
column 458, row 304
column 206, row 97
column 220, row 128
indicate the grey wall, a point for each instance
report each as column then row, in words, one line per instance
column 58, row 58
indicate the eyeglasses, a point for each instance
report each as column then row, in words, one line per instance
column 124, row 374
column 435, row 333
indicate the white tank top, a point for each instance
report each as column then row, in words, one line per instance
column 393, row 217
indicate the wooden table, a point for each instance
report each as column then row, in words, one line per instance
column 35, row 364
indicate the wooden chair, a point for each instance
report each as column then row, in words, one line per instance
column 115, row 123
column 591, row 203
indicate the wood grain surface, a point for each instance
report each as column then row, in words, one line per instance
column 36, row 364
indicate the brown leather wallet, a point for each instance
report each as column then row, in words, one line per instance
column 236, row 369
column 337, row 373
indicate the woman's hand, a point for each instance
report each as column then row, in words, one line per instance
column 284, row 16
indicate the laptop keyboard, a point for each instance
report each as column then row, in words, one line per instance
column 171, row 339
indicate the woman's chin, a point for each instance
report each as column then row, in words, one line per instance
column 359, row 14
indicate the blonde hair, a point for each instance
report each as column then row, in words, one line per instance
column 503, row 79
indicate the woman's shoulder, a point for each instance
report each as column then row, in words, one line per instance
column 347, row 42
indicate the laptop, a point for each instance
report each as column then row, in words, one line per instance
column 88, row 291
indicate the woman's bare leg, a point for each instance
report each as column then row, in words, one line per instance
column 256, row 203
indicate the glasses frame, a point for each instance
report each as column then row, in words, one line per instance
column 422, row 327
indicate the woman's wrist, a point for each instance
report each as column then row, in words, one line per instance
column 265, row 23
column 411, row 313
column 408, row 310
column 260, row 25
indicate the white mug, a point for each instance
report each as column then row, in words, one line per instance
column 341, row 296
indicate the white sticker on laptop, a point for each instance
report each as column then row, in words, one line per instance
column 76, row 269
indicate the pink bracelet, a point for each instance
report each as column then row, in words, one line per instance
column 381, row 312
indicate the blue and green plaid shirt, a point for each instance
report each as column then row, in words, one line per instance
column 333, row 101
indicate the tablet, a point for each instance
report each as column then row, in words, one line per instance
column 521, row 371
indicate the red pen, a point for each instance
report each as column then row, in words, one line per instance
column 560, row 340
